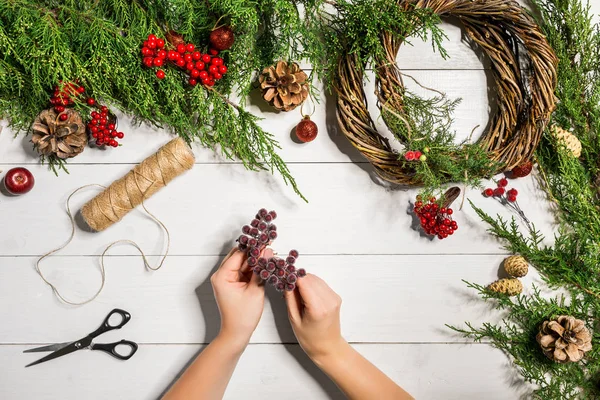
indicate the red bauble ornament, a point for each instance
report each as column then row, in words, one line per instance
column 306, row 130
column 522, row 170
column 222, row 38
column 18, row 181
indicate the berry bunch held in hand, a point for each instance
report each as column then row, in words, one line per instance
column 201, row 68
column 103, row 128
column 256, row 236
column 278, row 272
column 435, row 219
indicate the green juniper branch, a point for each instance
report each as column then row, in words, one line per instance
column 572, row 263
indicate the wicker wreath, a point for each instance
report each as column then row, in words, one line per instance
column 523, row 66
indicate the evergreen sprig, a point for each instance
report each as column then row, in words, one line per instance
column 97, row 43
column 572, row 263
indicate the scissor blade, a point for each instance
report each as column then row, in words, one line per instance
column 58, row 353
column 52, row 347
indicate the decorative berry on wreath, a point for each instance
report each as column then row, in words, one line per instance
column 524, row 68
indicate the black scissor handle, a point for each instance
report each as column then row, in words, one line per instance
column 111, row 348
column 106, row 326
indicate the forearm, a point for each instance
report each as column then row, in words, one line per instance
column 207, row 377
column 356, row 376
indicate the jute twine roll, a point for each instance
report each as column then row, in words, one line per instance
column 140, row 183
column 122, row 196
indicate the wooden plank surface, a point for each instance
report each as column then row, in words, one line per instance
column 382, row 296
column 399, row 289
column 264, row 372
column 348, row 213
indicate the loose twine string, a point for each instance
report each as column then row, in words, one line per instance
column 121, row 197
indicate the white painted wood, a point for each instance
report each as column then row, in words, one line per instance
column 405, row 296
column 383, row 295
column 348, row 213
column 264, row 372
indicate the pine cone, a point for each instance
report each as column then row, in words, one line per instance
column 569, row 140
column 508, row 286
column 53, row 137
column 564, row 339
column 284, row 85
column 516, row 266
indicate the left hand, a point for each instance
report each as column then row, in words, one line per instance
column 240, row 296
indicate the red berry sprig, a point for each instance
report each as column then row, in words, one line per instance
column 506, row 197
column 281, row 273
column 416, row 155
column 435, row 219
column 201, row 68
column 103, row 128
column 62, row 98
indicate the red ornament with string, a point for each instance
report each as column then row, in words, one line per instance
column 306, row 130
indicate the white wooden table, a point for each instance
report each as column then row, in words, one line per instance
column 399, row 288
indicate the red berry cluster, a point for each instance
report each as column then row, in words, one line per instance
column 201, row 68
column 64, row 98
column 412, row 155
column 280, row 273
column 435, row 220
column 507, row 198
column 103, row 128
column 500, row 191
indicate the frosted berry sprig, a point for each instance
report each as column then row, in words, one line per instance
column 435, row 220
column 278, row 272
column 506, row 197
column 201, row 68
column 256, row 236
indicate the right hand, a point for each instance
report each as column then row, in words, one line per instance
column 314, row 312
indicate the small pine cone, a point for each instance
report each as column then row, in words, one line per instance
column 516, row 266
column 564, row 339
column 53, row 137
column 508, row 286
column 568, row 139
column 284, row 85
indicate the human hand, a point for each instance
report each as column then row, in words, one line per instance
column 239, row 295
column 314, row 312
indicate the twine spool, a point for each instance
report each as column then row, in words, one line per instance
column 122, row 196
column 140, row 183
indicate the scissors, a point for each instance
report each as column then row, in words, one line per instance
column 61, row 349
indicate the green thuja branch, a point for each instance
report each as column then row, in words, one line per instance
column 572, row 262
column 97, row 43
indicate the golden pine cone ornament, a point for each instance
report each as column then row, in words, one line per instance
column 564, row 339
column 508, row 286
column 516, row 266
column 53, row 136
column 569, row 140
column 284, row 85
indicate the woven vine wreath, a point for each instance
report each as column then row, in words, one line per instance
column 523, row 66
